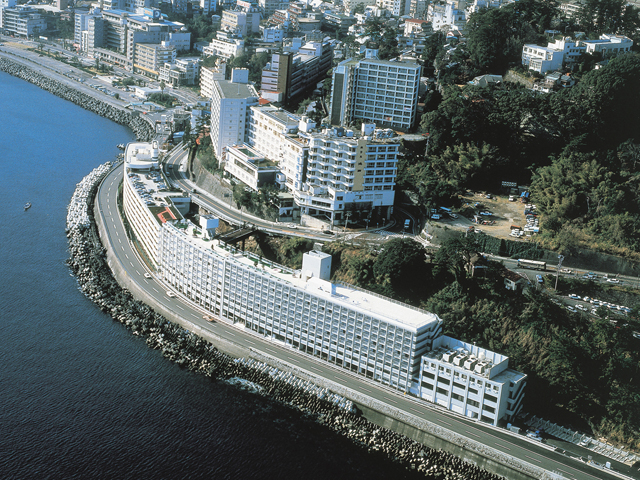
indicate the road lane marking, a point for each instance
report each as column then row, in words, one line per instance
column 411, row 408
column 155, row 289
column 534, row 459
column 391, row 400
column 179, row 307
column 502, row 446
column 249, row 341
column 474, row 434
column 131, row 263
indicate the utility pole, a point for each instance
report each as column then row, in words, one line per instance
column 560, row 259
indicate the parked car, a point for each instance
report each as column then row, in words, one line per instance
column 539, row 278
column 147, row 275
column 613, row 280
column 571, row 309
column 435, row 216
column 487, row 214
column 170, row 294
column 453, row 215
column 581, row 307
column 574, row 296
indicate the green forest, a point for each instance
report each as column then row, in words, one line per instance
column 578, row 148
column 582, row 370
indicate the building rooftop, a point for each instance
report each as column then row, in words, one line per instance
column 388, row 310
column 235, row 90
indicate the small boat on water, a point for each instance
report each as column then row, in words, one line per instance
column 121, row 146
column 27, row 205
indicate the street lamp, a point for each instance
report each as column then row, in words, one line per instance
column 560, row 259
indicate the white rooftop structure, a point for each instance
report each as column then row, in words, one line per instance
column 141, row 156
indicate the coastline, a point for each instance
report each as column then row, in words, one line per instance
column 181, row 345
column 23, row 68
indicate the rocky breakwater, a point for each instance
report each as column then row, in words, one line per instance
column 142, row 129
column 88, row 263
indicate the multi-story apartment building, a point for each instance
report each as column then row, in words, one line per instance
column 208, row 75
column 230, row 104
column 289, row 74
column 6, row 4
column 273, row 34
column 224, row 45
column 349, row 177
column 375, row 91
column 448, row 16
column 418, row 8
column 353, row 329
column 241, row 21
column 149, row 58
column 350, row 5
column 180, row 72
column 269, row 7
column 397, row 8
column 23, row 21
column 268, row 126
column 471, row 381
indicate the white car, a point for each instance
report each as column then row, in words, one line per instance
column 147, row 275
column 581, row 307
column 170, row 294
column 453, row 215
column 435, row 216
column 571, row 309
column 574, row 296
column 613, row 280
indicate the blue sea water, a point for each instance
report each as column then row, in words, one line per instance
column 80, row 397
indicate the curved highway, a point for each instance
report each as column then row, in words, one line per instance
column 499, row 439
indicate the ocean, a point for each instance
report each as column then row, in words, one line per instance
column 81, row 396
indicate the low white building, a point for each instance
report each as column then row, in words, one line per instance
column 250, row 167
column 225, row 46
column 567, row 50
column 541, row 59
column 608, row 45
column 471, row 381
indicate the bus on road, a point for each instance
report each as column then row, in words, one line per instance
column 532, row 264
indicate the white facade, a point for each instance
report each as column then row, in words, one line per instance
column 471, row 381
column 145, row 212
column 551, row 57
column 608, row 45
column 375, row 91
column 249, row 166
column 369, row 335
column 541, row 59
column 208, row 75
column 225, row 47
column 448, row 16
column 230, row 104
column 397, row 8
column 267, row 127
column 23, row 21
column 273, row 34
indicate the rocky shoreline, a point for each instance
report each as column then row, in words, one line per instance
column 142, row 129
column 88, row 263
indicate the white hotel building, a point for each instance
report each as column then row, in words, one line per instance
column 367, row 334
column 470, row 380
column 373, row 336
